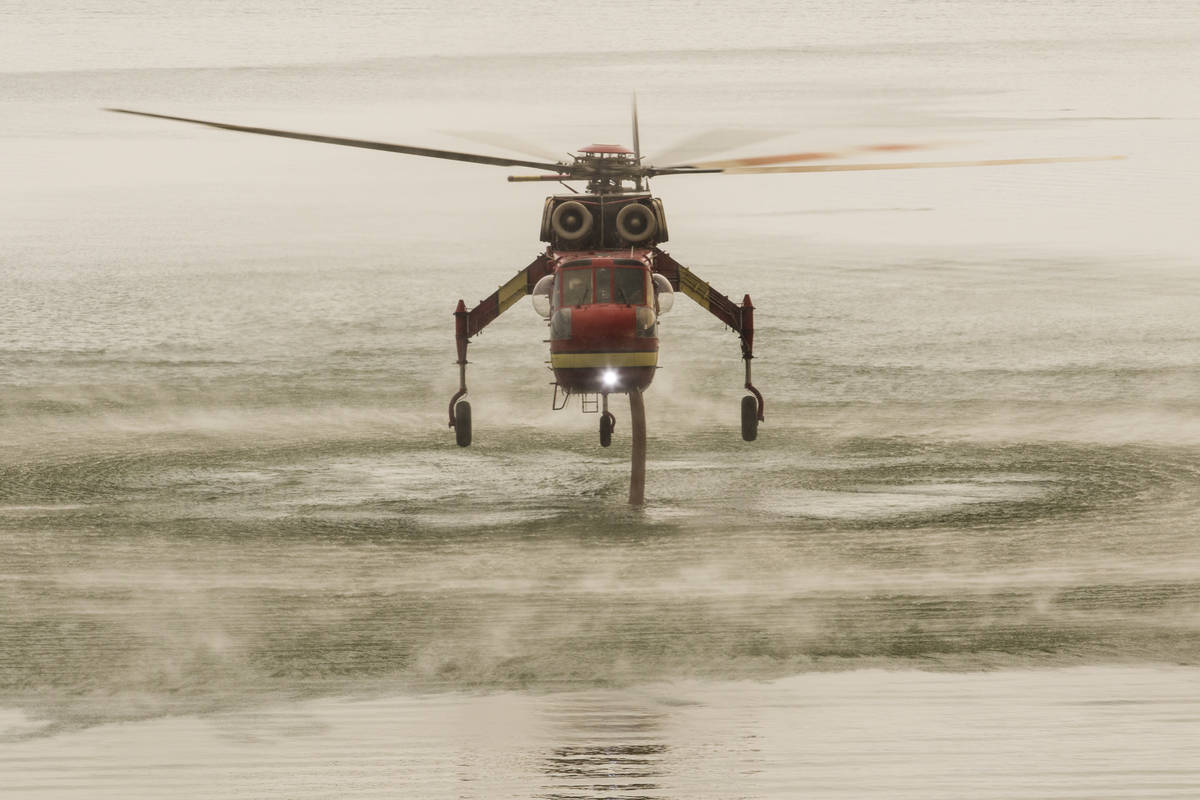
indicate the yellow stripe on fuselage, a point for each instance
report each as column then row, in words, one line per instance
column 586, row 360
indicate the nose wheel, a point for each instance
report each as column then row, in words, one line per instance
column 607, row 422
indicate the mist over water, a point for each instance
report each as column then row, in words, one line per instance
column 240, row 554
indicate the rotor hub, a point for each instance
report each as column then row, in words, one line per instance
column 607, row 167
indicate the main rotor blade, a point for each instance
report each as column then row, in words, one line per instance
column 637, row 147
column 390, row 148
column 507, row 142
column 755, row 161
column 560, row 178
column 706, row 143
column 899, row 165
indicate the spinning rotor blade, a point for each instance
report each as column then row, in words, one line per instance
column 703, row 144
column 754, row 161
column 637, row 147
column 390, row 148
column 652, row 172
column 998, row 162
column 507, row 142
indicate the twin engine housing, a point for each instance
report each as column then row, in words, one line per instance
column 600, row 221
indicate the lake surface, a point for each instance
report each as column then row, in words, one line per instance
column 241, row 555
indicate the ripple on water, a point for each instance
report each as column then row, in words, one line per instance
column 879, row 501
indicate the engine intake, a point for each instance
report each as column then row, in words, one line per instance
column 636, row 223
column 571, row 221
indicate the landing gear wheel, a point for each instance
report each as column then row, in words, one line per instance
column 749, row 418
column 607, row 423
column 462, row 423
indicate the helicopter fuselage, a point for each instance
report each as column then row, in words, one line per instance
column 603, row 320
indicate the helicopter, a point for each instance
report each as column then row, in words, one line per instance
column 603, row 281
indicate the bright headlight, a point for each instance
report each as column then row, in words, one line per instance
column 609, row 377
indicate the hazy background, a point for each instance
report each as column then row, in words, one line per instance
column 240, row 554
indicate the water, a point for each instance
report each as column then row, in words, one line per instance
column 240, row 554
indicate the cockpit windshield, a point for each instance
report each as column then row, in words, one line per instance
column 584, row 285
column 577, row 287
column 629, row 286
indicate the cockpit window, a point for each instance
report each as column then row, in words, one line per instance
column 623, row 285
column 577, row 287
column 630, row 286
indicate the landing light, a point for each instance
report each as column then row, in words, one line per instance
column 609, row 377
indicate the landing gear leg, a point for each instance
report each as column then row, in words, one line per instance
column 752, row 404
column 607, row 423
column 460, row 413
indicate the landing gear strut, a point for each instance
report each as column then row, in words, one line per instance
column 460, row 412
column 752, row 404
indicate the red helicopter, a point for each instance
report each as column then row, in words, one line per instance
column 603, row 281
